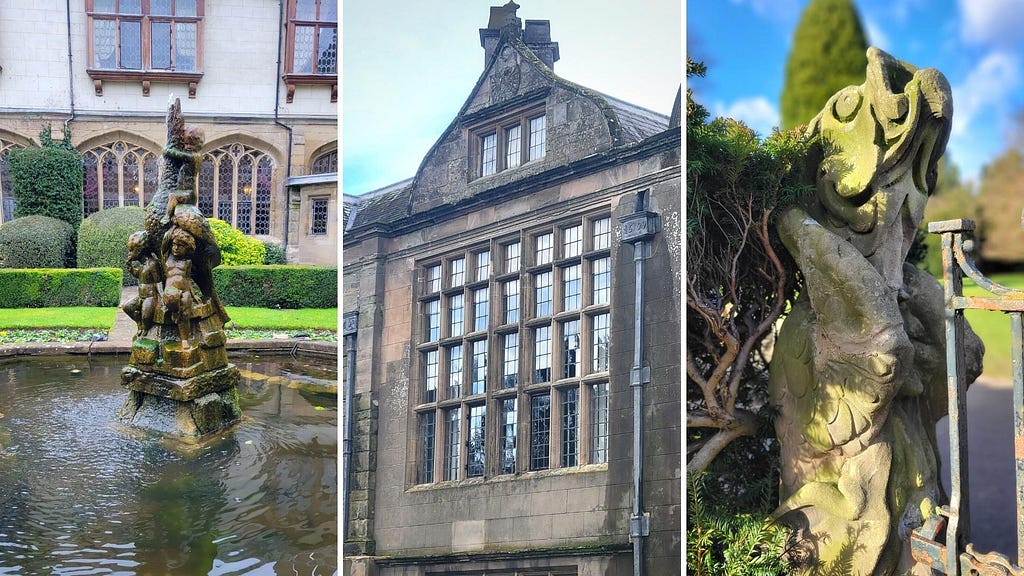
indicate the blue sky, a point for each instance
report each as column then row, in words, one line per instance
column 408, row 67
column 977, row 44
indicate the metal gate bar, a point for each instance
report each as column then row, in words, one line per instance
column 955, row 555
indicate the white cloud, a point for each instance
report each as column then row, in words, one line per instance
column 876, row 37
column 993, row 22
column 756, row 112
column 985, row 90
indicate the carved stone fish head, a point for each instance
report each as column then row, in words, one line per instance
column 880, row 143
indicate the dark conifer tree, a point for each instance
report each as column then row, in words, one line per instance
column 828, row 54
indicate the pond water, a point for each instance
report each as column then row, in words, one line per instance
column 79, row 495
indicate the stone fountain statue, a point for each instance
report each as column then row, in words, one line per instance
column 858, row 373
column 178, row 376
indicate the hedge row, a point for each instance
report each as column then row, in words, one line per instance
column 49, row 287
column 281, row 286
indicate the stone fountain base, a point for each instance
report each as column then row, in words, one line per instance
column 188, row 407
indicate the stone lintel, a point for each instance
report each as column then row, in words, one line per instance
column 181, row 389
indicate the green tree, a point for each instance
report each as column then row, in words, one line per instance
column 739, row 278
column 828, row 53
column 999, row 211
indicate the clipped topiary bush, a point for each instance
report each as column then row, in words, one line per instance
column 103, row 239
column 49, row 287
column 275, row 253
column 36, row 242
column 236, row 248
column 289, row 286
column 47, row 181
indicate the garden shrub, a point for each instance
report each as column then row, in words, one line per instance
column 275, row 253
column 36, row 242
column 279, row 286
column 47, row 181
column 48, row 287
column 236, row 248
column 103, row 239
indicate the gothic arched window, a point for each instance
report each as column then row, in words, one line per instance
column 325, row 163
column 235, row 181
column 6, row 193
column 118, row 174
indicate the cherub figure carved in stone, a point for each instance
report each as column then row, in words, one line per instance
column 179, row 293
column 145, row 266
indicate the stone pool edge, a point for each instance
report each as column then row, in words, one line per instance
column 270, row 346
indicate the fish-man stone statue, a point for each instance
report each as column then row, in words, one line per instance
column 858, row 374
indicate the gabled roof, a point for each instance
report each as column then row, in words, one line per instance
column 380, row 206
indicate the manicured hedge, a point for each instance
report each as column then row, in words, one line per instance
column 103, row 238
column 48, row 287
column 37, row 241
column 283, row 286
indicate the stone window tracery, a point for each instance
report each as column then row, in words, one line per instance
column 118, row 174
column 241, row 194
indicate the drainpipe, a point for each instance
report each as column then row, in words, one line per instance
column 638, row 229
column 277, row 120
column 350, row 326
column 71, row 72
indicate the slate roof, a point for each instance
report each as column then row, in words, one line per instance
column 637, row 123
column 380, row 206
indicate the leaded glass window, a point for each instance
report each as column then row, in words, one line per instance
column 426, row 447
column 118, row 174
column 540, row 431
column 7, row 204
column 475, row 464
column 570, row 432
column 169, row 29
column 318, row 216
column 239, row 182
column 313, row 37
column 508, row 436
column 325, row 163
column 451, row 444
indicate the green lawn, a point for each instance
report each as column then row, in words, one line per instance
column 82, row 323
column 993, row 327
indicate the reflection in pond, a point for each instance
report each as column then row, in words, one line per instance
column 80, row 496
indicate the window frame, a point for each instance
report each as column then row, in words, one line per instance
column 508, row 377
column 146, row 74
column 291, row 77
column 499, row 129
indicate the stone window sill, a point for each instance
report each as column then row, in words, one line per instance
column 145, row 78
column 293, row 80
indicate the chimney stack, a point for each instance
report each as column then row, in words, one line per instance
column 536, row 35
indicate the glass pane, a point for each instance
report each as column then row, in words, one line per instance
column 130, row 7
column 512, row 147
column 206, row 187
column 489, row 146
column 328, row 11
column 185, row 47
column 161, row 45
column 150, row 173
column 103, row 43
column 540, row 428
column 109, row 180
column 264, row 171
column 327, row 51
column 90, row 186
column 477, row 424
column 302, row 62
column 160, row 7
column 305, row 9
column 132, row 189
column 225, row 184
column 185, row 7
column 103, row 6
column 427, row 456
column 131, row 45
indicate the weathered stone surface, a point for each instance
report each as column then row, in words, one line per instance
column 858, row 373
column 180, row 389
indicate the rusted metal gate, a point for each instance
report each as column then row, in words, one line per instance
column 943, row 541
